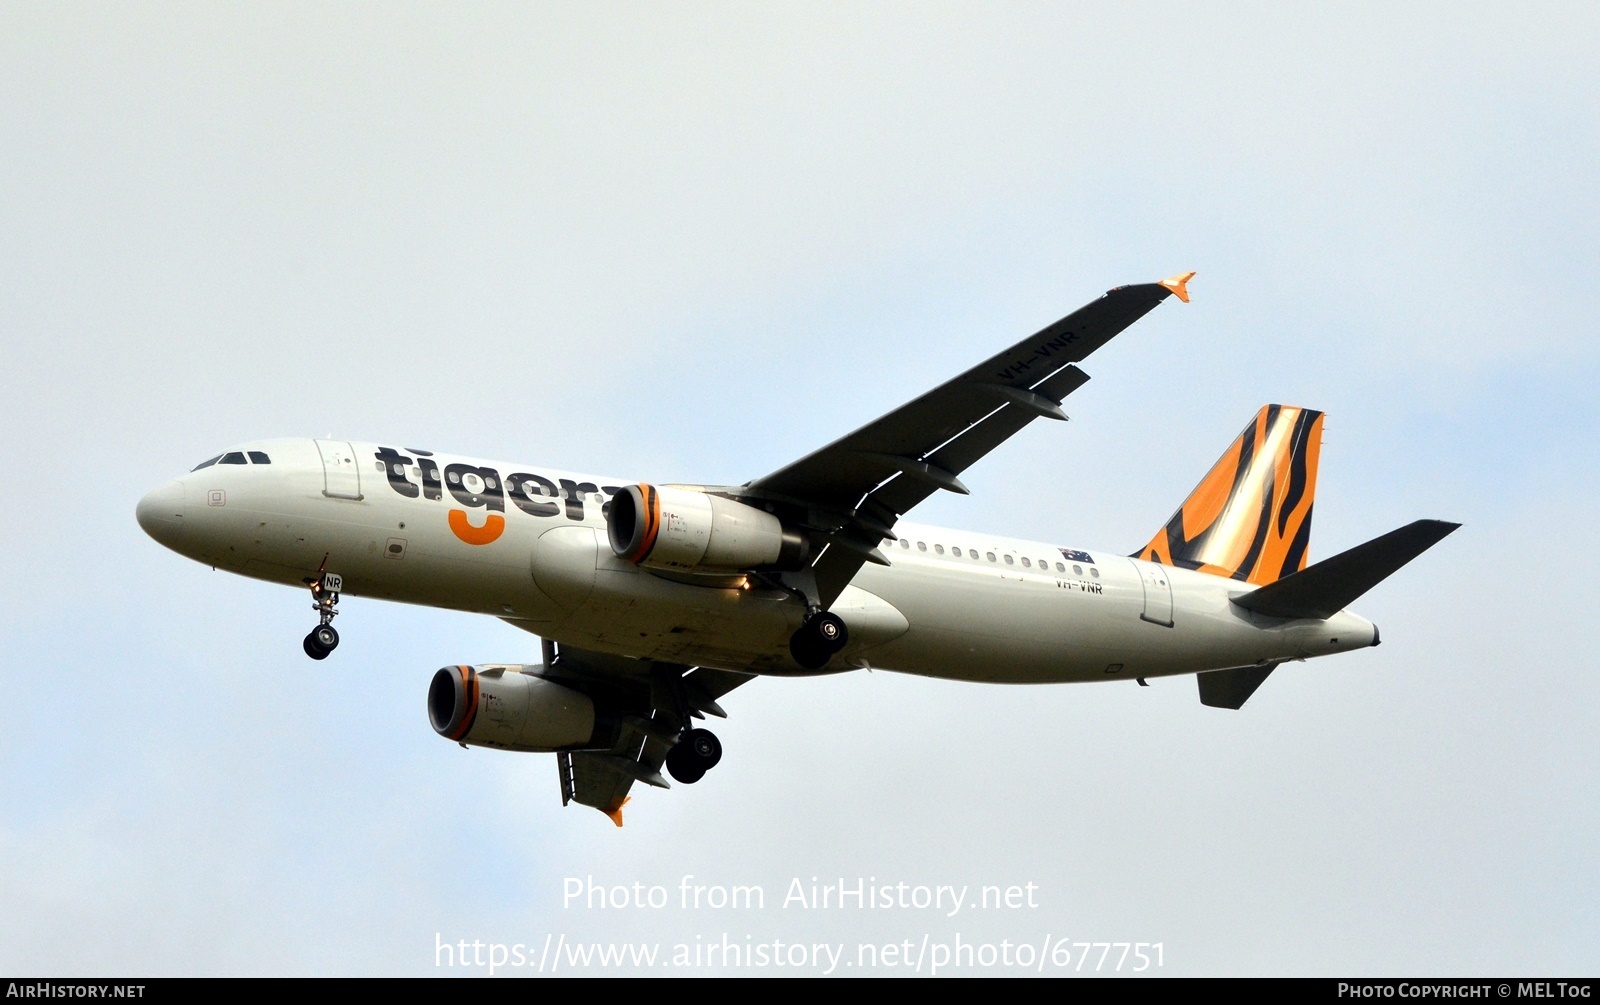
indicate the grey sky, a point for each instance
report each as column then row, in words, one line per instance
column 694, row 243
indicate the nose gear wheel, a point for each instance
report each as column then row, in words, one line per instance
column 325, row 589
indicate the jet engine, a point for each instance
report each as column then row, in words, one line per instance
column 509, row 708
column 685, row 529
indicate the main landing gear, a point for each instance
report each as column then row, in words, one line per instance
column 822, row 634
column 816, row 641
column 696, row 753
column 324, row 638
column 678, row 700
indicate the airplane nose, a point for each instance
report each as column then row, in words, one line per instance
column 161, row 512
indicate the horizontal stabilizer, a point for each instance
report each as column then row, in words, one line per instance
column 1331, row 585
column 1231, row 688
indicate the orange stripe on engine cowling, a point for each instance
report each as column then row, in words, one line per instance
column 469, row 688
column 652, row 523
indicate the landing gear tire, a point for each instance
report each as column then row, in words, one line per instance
column 325, row 637
column 705, row 747
column 815, row 642
column 691, row 757
column 683, row 769
column 314, row 650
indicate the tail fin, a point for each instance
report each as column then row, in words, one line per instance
column 1250, row 518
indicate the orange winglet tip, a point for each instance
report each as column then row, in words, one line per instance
column 1178, row 285
column 616, row 814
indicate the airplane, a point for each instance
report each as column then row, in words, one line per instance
column 654, row 601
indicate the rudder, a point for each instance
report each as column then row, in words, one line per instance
column 1250, row 517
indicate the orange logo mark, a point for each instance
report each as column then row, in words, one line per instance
column 493, row 526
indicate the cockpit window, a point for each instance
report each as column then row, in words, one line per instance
column 257, row 457
column 206, row 464
column 233, row 457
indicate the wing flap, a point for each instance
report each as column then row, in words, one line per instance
column 590, row 779
column 602, row 778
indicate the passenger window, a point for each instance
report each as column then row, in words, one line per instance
column 991, row 556
column 1077, row 570
column 904, row 543
column 921, row 546
column 1060, row 567
column 232, row 457
column 1094, row 572
column 206, row 464
column 974, row 553
column 257, row 457
column 1010, row 560
column 939, row 548
column 1027, row 564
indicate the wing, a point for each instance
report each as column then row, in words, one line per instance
column 602, row 778
column 855, row 488
column 657, row 702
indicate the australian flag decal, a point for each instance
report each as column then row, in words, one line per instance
column 1077, row 556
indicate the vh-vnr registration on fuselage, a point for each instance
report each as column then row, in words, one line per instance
column 654, row 601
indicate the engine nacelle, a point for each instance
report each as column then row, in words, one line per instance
column 509, row 708
column 673, row 528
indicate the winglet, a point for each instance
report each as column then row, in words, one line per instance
column 616, row 814
column 1178, row 285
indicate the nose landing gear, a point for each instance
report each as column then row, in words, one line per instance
column 325, row 596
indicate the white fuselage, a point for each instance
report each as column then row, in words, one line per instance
column 954, row 604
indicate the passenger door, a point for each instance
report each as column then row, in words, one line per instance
column 341, row 476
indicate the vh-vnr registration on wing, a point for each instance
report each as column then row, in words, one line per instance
column 654, row 601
